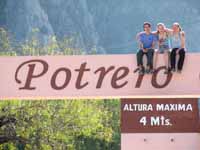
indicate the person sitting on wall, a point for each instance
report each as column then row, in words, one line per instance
column 163, row 46
column 177, row 43
column 146, row 41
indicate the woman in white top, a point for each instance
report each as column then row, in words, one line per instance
column 177, row 43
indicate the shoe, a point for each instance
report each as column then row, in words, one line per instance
column 179, row 71
column 173, row 70
column 167, row 71
column 141, row 71
column 152, row 71
column 148, row 71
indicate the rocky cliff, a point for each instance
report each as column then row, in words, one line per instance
column 108, row 25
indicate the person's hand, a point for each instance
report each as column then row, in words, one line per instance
column 145, row 50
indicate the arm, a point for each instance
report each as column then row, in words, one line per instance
column 153, row 45
column 155, row 40
column 141, row 45
column 139, row 41
column 169, row 31
column 154, row 32
column 138, row 36
column 182, row 39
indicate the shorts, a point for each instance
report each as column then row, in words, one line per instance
column 163, row 48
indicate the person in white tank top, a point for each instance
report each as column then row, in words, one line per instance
column 177, row 44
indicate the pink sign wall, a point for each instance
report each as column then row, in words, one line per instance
column 160, row 141
column 93, row 76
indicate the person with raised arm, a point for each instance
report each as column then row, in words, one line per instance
column 163, row 45
column 177, row 43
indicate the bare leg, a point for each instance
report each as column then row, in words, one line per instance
column 166, row 58
column 155, row 60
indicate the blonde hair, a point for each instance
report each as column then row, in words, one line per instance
column 161, row 24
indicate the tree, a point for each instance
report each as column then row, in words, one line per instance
column 60, row 124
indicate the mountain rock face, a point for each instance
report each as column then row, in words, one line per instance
column 24, row 16
column 109, row 26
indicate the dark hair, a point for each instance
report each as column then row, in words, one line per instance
column 147, row 23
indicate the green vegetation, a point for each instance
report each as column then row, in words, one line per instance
column 56, row 124
column 34, row 47
column 59, row 125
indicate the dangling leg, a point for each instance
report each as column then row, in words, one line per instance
column 140, row 54
column 181, row 60
column 166, row 59
column 155, row 57
column 173, row 59
column 150, row 60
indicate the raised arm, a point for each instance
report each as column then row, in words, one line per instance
column 169, row 31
